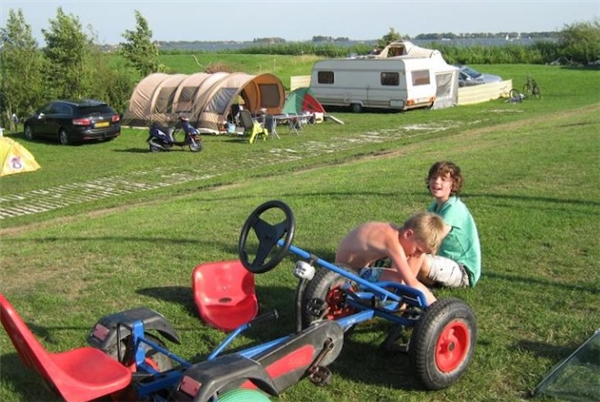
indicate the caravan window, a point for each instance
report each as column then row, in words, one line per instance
column 325, row 77
column 390, row 79
column 420, row 77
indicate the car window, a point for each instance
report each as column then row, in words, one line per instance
column 61, row 108
column 99, row 109
column 46, row 109
column 54, row 108
column 471, row 72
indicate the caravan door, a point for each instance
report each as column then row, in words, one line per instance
column 390, row 89
column 420, row 83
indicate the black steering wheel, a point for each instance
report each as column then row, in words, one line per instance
column 268, row 235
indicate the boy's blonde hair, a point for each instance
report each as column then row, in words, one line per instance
column 427, row 227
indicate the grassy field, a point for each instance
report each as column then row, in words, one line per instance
column 125, row 228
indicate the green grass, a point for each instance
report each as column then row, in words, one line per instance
column 532, row 179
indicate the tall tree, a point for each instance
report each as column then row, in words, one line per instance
column 68, row 52
column 580, row 42
column 388, row 38
column 139, row 50
column 21, row 66
column 111, row 79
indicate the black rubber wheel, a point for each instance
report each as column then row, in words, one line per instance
column 514, row 95
column 157, row 360
column 267, row 234
column 356, row 108
column 324, row 299
column 63, row 137
column 29, row 135
column 154, row 148
column 527, row 89
column 442, row 343
column 196, row 146
column 536, row 93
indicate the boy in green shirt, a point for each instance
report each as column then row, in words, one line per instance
column 458, row 260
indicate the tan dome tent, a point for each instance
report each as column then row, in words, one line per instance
column 205, row 98
column 187, row 91
column 139, row 110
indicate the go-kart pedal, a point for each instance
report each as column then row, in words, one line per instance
column 321, row 375
column 390, row 344
column 316, row 307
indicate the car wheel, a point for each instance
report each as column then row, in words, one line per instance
column 63, row 137
column 29, row 133
column 356, row 107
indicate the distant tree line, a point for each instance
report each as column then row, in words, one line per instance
column 487, row 35
column 74, row 65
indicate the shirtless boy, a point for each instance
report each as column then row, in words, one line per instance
column 405, row 246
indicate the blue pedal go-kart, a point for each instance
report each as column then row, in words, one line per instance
column 443, row 335
column 128, row 359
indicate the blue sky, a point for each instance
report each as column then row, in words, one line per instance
column 244, row 20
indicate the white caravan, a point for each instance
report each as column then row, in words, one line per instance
column 392, row 83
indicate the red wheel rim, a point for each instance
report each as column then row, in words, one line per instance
column 452, row 346
column 337, row 307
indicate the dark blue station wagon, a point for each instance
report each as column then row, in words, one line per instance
column 71, row 121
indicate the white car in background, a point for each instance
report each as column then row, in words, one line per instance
column 468, row 76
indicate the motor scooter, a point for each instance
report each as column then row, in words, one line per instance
column 162, row 138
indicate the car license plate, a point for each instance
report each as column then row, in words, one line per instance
column 101, row 124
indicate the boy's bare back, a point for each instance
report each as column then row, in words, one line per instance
column 367, row 243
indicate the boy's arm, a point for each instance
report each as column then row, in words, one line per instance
column 405, row 272
column 400, row 264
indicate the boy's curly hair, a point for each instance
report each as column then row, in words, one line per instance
column 443, row 169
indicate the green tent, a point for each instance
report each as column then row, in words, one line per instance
column 302, row 100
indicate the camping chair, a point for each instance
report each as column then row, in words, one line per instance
column 82, row 374
column 252, row 128
column 271, row 125
column 225, row 294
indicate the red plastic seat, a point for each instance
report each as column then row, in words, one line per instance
column 82, row 374
column 224, row 294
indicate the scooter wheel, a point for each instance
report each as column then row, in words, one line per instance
column 196, row 146
column 154, row 148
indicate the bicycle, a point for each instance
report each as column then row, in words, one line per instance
column 532, row 89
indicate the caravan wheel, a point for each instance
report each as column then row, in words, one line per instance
column 356, row 107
